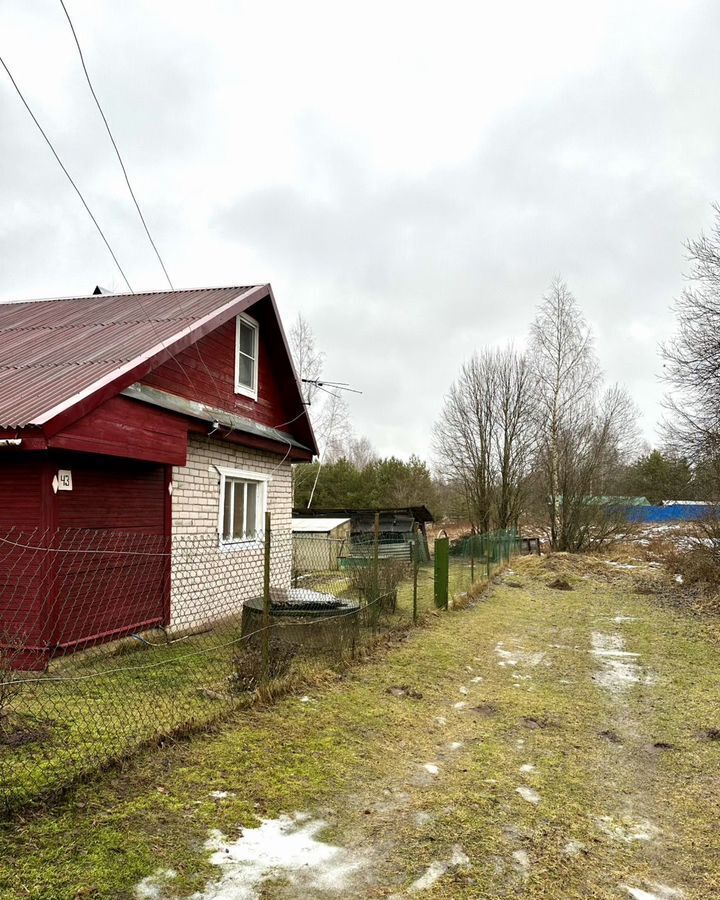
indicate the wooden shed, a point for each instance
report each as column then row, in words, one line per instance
column 318, row 543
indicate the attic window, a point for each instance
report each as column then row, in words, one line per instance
column 246, row 357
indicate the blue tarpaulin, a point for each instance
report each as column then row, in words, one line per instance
column 677, row 512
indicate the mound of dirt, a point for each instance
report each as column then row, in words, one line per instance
column 560, row 584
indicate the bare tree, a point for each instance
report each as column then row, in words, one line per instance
column 692, row 357
column 583, row 435
column 307, row 358
column 482, row 438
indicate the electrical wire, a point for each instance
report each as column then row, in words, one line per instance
column 132, row 194
column 115, row 146
column 67, row 174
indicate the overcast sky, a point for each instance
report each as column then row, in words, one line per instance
column 409, row 175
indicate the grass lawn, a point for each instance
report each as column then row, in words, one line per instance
column 599, row 703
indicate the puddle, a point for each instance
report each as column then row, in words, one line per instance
column 437, row 869
column 619, row 666
column 279, row 848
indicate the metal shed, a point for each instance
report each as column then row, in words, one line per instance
column 319, row 542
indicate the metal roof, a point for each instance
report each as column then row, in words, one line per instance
column 54, row 350
column 312, row 526
column 206, row 413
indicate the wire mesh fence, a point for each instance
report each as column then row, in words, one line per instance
column 110, row 640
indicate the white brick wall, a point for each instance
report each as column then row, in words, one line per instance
column 210, row 582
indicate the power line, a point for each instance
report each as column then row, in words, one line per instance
column 115, row 146
column 67, row 174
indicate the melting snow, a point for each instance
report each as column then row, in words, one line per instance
column 279, row 848
column 152, row 887
column 431, row 768
column 461, row 704
column 437, row 869
column 572, row 848
column 659, row 892
column 619, row 666
column 527, row 793
column 522, row 859
column 513, row 657
column 456, row 745
column 463, row 689
column 527, row 767
column 628, row 830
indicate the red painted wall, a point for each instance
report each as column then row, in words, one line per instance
column 54, row 594
column 206, row 372
column 116, row 509
column 23, row 572
column 129, row 428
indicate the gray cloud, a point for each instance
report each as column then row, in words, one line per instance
column 256, row 166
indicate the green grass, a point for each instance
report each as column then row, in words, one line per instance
column 115, row 699
column 355, row 745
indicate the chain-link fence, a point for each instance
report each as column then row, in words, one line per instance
column 462, row 563
column 110, row 640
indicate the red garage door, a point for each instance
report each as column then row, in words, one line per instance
column 113, row 561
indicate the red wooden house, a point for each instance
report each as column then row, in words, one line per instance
column 129, row 424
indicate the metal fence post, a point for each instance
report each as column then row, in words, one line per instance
column 442, row 572
column 415, row 567
column 266, row 601
column 472, row 558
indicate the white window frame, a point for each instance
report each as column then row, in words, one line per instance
column 262, row 482
column 243, row 389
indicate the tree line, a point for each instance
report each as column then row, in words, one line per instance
column 536, row 435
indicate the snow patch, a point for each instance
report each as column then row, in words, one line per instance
column 572, row 848
column 441, row 720
column 522, row 859
column 431, row 768
column 461, row 704
column 628, row 830
column 658, row 892
column 286, row 847
column 527, row 793
column 476, row 680
column 152, row 887
column 220, row 795
column 456, row 745
column 619, row 669
column 517, row 656
column 437, row 869
column 527, row 767
column 463, row 690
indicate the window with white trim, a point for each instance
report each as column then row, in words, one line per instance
column 246, row 356
column 243, row 498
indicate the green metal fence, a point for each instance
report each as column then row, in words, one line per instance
column 462, row 563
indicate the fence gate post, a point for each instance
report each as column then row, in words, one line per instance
column 472, row 558
column 266, row 601
column 442, row 572
column 415, row 556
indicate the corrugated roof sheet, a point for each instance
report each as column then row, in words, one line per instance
column 50, row 350
column 316, row 526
